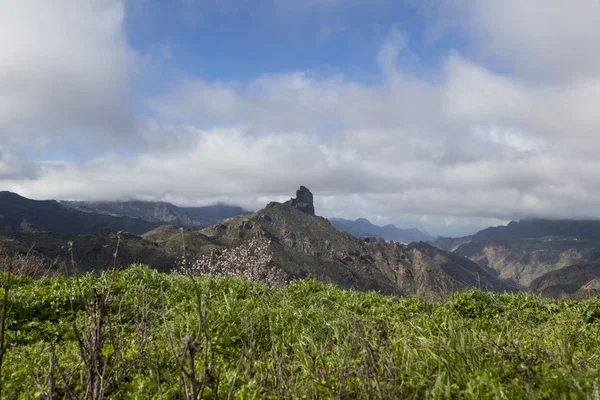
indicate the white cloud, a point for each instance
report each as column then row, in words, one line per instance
column 13, row 166
column 542, row 37
column 64, row 65
column 544, row 40
column 468, row 147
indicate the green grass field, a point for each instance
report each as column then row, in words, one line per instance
column 142, row 334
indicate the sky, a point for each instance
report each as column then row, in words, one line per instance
column 446, row 115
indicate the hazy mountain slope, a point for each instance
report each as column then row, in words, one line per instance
column 19, row 214
column 526, row 229
column 592, row 288
column 571, row 281
column 363, row 227
column 462, row 269
column 526, row 259
column 164, row 213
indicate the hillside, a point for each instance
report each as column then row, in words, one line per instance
column 363, row 227
column 306, row 340
column 305, row 245
column 19, row 214
column 525, row 250
column 163, row 213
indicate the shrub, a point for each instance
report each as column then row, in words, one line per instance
column 25, row 264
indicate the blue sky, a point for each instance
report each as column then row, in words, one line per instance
column 239, row 42
column 445, row 115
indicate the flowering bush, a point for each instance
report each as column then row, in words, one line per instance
column 251, row 260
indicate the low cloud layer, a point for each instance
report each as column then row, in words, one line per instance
column 451, row 151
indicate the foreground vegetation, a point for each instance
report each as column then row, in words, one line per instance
column 141, row 334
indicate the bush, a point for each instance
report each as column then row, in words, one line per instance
column 251, row 260
column 25, row 264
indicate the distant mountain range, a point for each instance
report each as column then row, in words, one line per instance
column 162, row 213
column 19, row 214
column 523, row 260
column 364, row 228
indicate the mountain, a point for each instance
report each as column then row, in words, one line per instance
column 363, row 227
column 163, row 213
column 306, row 245
column 528, row 229
column 19, row 214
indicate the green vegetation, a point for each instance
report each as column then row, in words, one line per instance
column 141, row 334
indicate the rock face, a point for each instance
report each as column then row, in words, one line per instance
column 530, row 249
column 303, row 201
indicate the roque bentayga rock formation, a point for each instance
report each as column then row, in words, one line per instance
column 303, row 201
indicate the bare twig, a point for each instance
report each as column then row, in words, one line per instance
column 3, row 327
column 116, row 253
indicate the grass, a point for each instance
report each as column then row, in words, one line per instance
column 166, row 336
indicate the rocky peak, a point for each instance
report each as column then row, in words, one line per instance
column 303, row 201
